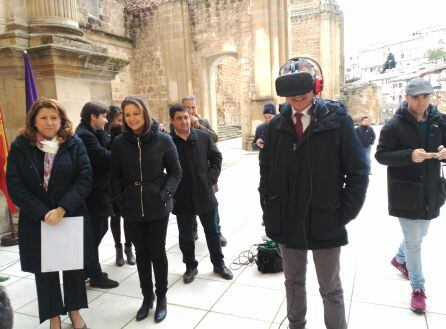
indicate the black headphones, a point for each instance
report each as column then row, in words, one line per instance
column 292, row 82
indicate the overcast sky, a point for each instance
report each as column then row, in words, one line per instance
column 369, row 21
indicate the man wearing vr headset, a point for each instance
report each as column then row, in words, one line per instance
column 314, row 178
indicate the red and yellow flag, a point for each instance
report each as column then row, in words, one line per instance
column 4, row 150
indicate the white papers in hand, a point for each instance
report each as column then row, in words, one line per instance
column 63, row 245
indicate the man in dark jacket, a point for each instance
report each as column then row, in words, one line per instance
column 313, row 181
column 269, row 111
column 367, row 137
column 411, row 145
column 191, row 104
column 99, row 203
column 201, row 163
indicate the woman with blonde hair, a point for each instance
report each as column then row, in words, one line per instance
column 145, row 174
column 48, row 178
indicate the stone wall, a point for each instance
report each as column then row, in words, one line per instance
column 439, row 99
column 227, row 90
column 316, row 31
column 110, row 30
column 363, row 100
column 219, row 27
column 147, row 66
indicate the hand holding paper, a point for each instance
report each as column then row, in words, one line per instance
column 54, row 216
column 63, row 245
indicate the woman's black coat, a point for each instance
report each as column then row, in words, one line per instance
column 140, row 186
column 414, row 189
column 68, row 187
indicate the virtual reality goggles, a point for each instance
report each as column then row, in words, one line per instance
column 293, row 81
column 294, row 84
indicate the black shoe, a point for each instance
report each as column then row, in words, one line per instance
column 224, row 272
column 223, row 241
column 103, row 282
column 143, row 311
column 161, row 309
column 195, row 236
column 119, row 256
column 129, row 254
column 189, row 275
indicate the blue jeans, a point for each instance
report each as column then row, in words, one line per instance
column 367, row 154
column 409, row 251
column 186, row 236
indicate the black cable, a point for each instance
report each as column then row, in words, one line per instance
column 245, row 258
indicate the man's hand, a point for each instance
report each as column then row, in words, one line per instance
column 194, row 121
column 54, row 217
column 442, row 152
column 419, row 155
column 260, row 143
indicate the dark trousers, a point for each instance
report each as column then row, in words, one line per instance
column 149, row 238
column 49, row 296
column 115, row 227
column 187, row 244
column 99, row 227
column 195, row 227
column 327, row 263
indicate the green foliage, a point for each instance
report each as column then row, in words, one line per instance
column 390, row 63
column 434, row 54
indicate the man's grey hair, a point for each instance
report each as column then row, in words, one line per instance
column 301, row 64
column 6, row 314
column 190, row 98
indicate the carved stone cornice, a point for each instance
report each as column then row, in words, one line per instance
column 56, row 60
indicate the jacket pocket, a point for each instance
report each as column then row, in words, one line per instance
column 272, row 215
column 406, row 196
column 441, row 191
column 325, row 222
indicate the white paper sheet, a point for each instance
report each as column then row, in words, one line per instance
column 63, row 245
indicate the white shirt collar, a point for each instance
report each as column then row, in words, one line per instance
column 304, row 112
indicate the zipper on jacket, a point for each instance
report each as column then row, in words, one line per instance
column 140, row 176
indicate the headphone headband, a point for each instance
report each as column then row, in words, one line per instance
column 293, row 82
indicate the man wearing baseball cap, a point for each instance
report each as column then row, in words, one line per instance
column 411, row 145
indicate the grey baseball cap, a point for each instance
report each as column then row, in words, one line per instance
column 418, row 86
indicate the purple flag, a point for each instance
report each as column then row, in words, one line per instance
column 30, row 87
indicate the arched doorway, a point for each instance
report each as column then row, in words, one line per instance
column 223, row 90
column 227, row 91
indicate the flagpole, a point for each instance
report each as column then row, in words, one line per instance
column 10, row 239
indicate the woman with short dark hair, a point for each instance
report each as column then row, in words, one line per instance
column 48, row 178
column 140, row 155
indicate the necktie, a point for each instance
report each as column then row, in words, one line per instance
column 298, row 125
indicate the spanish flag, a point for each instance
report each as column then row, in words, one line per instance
column 4, row 150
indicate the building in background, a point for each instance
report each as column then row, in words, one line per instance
column 422, row 53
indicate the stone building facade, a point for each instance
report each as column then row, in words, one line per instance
column 363, row 100
column 227, row 52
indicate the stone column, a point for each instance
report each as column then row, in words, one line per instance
column 175, row 48
column 46, row 16
column 332, row 52
column 54, row 21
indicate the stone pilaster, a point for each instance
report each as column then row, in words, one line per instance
column 14, row 30
column 175, row 47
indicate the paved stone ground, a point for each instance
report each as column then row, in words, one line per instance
column 376, row 295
